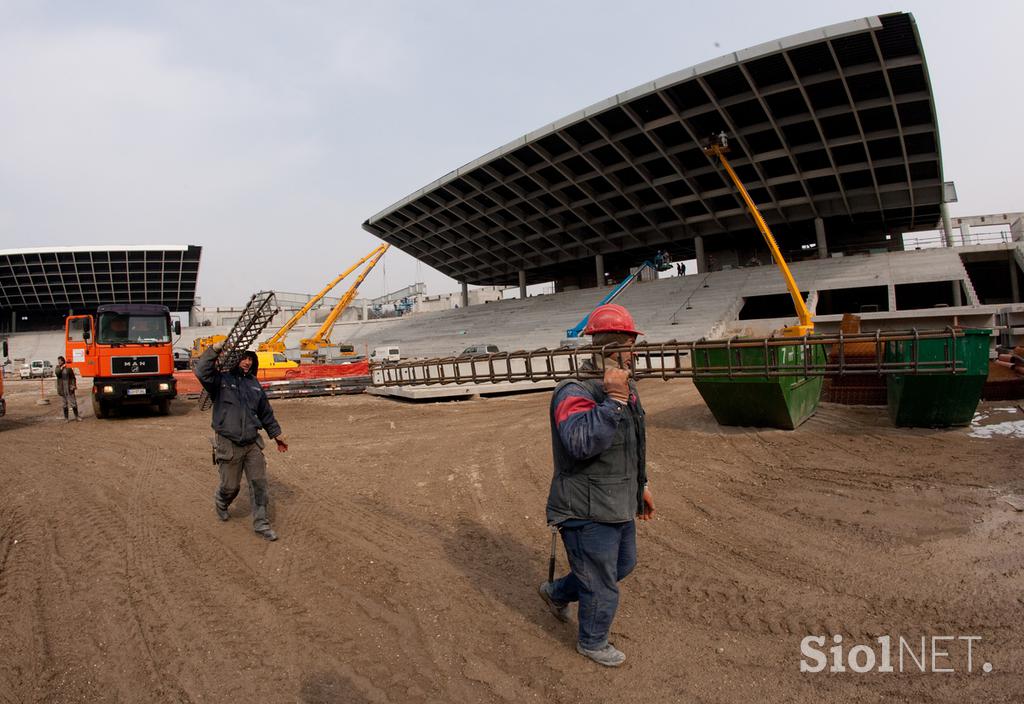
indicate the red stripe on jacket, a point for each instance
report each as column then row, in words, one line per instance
column 571, row 406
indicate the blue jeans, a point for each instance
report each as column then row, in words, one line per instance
column 600, row 555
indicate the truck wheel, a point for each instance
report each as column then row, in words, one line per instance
column 163, row 406
column 99, row 409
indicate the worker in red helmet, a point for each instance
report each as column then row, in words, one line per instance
column 598, row 440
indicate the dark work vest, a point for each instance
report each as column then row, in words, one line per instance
column 608, row 487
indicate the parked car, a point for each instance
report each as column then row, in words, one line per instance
column 182, row 358
column 36, row 369
column 386, row 355
column 474, row 350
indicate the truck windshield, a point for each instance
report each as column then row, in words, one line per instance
column 127, row 329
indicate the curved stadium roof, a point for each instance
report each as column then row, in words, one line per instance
column 58, row 279
column 837, row 123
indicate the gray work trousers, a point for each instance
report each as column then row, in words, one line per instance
column 232, row 460
column 69, row 401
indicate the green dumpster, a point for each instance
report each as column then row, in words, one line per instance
column 938, row 400
column 760, row 401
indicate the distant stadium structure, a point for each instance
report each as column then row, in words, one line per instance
column 39, row 286
column 833, row 131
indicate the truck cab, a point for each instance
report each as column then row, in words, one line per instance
column 127, row 350
column 273, row 366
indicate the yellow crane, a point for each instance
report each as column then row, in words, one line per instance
column 275, row 343
column 311, row 345
column 717, row 149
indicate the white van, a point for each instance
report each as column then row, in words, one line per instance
column 385, row 355
column 36, row 369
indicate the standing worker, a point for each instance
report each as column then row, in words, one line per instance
column 240, row 409
column 599, row 441
column 67, row 385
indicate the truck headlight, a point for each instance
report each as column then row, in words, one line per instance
column 164, row 386
column 108, row 389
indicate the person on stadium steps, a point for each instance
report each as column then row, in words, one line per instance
column 67, row 386
column 598, row 440
column 240, row 410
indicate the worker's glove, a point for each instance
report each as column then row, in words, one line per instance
column 218, row 346
column 282, row 443
column 616, row 384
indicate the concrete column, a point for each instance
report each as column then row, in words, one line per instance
column 599, row 269
column 819, row 233
column 947, row 226
column 965, row 232
column 957, row 296
column 522, row 284
column 366, row 310
column 14, row 320
column 698, row 245
column 465, row 295
column 1014, row 288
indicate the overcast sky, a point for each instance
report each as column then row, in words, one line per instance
column 267, row 132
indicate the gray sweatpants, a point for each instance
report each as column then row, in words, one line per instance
column 232, row 461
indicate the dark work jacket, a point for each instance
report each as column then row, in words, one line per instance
column 599, row 452
column 240, row 406
column 67, row 382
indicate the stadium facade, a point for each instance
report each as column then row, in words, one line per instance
column 39, row 286
column 833, row 131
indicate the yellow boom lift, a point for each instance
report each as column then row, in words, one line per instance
column 312, row 345
column 718, row 149
column 275, row 343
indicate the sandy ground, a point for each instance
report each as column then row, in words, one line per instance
column 413, row 541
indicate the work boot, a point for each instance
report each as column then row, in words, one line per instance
column 267, row 533
column 66, row 419
column 77, row 417
column 222, row 510
column 609, row 655
column 558, row 608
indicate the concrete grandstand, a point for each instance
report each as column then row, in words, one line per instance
column 833, row 131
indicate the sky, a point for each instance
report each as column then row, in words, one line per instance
column 267, row 132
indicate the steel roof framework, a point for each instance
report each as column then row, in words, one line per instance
column 834, row 123
column 82, row 278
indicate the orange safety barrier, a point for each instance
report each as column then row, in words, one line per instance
column 188, row 384
column 328, row 371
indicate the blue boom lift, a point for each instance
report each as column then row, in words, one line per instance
column 575, row 331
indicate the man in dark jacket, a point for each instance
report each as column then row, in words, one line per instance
column 599, row 442
column 67, row 387
column 240, row 410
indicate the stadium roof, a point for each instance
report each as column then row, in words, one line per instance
column 59, row 279
column 837, row 123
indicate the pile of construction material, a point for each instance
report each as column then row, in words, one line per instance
column 1011, row 358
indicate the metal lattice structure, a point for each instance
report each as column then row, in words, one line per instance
column 258, row 313
column 47, row 282
column 836, row 123
column 847, row 355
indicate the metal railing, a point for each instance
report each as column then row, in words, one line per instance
column 838, row 354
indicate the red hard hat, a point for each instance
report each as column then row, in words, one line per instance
column 611, row 317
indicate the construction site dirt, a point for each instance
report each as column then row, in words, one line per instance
column 412, row 542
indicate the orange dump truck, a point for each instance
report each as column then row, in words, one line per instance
column 127, row 350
